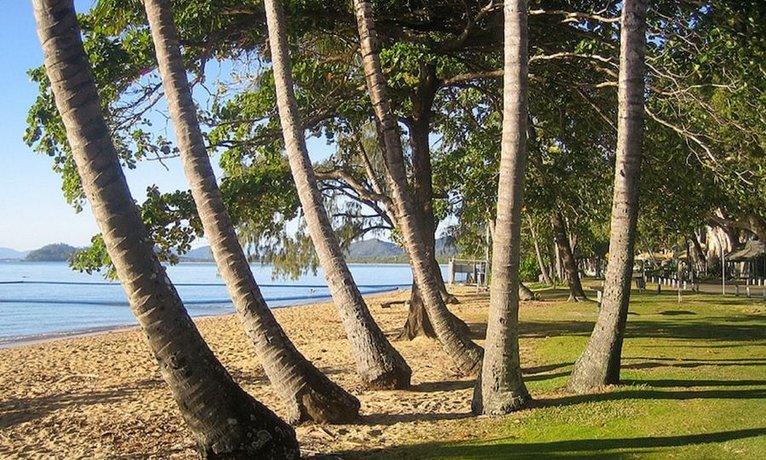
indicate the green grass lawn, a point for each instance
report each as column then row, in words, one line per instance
column 694, row 377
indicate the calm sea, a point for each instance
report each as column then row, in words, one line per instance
column 40, row 299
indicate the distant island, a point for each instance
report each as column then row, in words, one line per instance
column 58, row 252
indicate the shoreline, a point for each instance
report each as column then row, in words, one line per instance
column 38, row 339
column 7, row 343
column 102, row 395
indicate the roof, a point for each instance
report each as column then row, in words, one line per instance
column 753, row 249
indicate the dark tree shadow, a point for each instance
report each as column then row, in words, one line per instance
column 19, row 410
column 638, row 394
column 616, row 448
column 393, row 419
column 651, row 363
column 677, row 313
column 448, row 385
column 677, row 383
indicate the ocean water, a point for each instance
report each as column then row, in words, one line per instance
column 40, row 299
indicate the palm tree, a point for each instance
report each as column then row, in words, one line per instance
column 599, row 363
column 223, row 418
column 466, row 354
column 308, row 394
column 378, row 363
column 501, row 388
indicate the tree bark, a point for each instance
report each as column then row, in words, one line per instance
column 422, row 187
column 543, row 269
column 308, row 394
column 525, row 293
column 557, row 257
column 378, row 363
column 501, row 388
column 599, row 363
column 465, row 353
column 418, row 324
column 576, row 292
column 699, row 254
column 225, row 421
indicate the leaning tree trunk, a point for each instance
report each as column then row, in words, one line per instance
column 465, row 353
column 699, row 254
column 308, row 394
column 377, row 362
column 525, row 293
column 422, row 99
column 501, row 388
column 599, row 364
column 226, row 421
column 576, row 292
column 543, row 269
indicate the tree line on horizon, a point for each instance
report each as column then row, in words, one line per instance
column 536, row 83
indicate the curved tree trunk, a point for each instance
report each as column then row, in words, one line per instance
column 699, row 254
column 422, row 192
column 308, row 394
column 501, row 388
column 525, row 293
column 543, row 268
column 465, row 353
column 377, row 362
column 599, row 364
column 418, row 324
column 576, row 292
column 226, row 421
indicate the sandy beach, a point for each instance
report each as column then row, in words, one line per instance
column 101, row 396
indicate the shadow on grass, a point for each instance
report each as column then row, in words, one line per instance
column 583, row 448
column 651, row 363
column 558, row 294
column 620, row 394
column 678, row 383
column 709, row 329
column 677, row 313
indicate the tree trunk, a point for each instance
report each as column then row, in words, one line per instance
column 420, row 127
column 557, row 257
column 599, row 364
column 418, row 324
column 307, row 393
column 699, row 254
column 501, row 388
column 538, row 254
column 225, row 421
column 465, row 353
column 576, row 292
column 525, row 293
column 377, row 362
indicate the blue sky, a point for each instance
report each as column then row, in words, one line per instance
column 33, row 210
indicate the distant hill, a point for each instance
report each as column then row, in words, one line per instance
column 384, row 251
column 51, row 253
column 11, row 254
column 373, row 250
column 200, row 254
